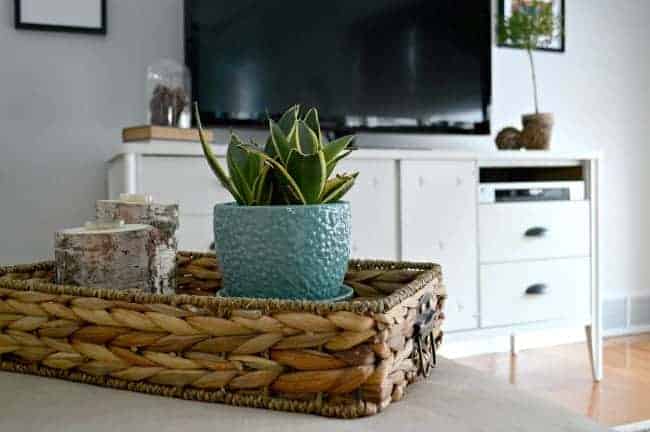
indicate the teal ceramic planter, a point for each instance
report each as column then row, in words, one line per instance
column 285, row 252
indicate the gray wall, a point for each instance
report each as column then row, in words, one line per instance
column 66, row 97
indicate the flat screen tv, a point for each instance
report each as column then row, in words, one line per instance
column 368, row 65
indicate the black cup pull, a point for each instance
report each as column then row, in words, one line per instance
column 211, row 247
column 537, row 289
column 536, row 232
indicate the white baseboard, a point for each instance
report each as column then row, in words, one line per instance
column 459, row 345
column 622, row 316
column 633, row 427
column 628, row 331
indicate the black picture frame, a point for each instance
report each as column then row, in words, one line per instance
column 101, row 30
column 561, row 38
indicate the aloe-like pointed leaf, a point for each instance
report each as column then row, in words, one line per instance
column 309, row 173
column 288, row 119
column 250, row 163
column 263, row 187
column 268, row 147
column 214, row 164
column 293, row 138
column 311, row 119
column 279, row 141
column 333, row 183
column 334, row 148
column 332, row 163
column 260, row 179
column 244, row 168
column 307, row 140
column 280, row 169
column 338, row 186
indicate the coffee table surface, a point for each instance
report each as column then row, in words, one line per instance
column 454, row 399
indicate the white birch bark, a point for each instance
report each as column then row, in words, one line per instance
column 116, row 258
column 164, row 218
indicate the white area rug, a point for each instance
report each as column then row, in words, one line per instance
column 643, row 426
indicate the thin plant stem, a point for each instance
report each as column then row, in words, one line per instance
column 532, row 71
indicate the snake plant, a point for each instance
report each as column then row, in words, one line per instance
column 294, row 167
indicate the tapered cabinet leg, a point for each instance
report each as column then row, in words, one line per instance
column 514, row 349
column 590, row 346
column 595, row 349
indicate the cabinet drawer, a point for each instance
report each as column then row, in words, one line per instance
column 531, row 291
column 520, row 231
column 185, row 180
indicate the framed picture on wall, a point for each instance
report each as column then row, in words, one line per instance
column 83, row 16
column 553, row 42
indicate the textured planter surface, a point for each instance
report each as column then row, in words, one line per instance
column 297, row 252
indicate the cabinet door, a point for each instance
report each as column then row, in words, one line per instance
column 185, row 180
column 439, row 224
column 374, row 208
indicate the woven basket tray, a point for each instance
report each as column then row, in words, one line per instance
column 345, row 359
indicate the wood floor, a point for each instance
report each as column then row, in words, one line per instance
column 563, row 375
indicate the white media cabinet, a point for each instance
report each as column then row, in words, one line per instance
column 424, row 205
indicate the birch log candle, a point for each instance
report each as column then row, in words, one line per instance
column 140, row 209
column 106, row 255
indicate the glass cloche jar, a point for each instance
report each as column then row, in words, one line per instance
column 169, row 91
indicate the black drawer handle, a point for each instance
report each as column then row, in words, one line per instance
column 536, row 232
column 211, row 247
column 537, row 289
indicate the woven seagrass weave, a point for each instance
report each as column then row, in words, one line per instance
column 346, row 359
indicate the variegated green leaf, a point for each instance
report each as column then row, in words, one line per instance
column 293, row 138
column 311, row 119
column 214, row 164
column 251, row 163
column 334, row 148
column 332, row 163
column 263, row 188
column 244, row 168
column 268, row 147
column 309, row 173
column 236, row 173
column 288, row 119
column 279, row 141
column 309, row 143
column 337, row 187
column 280, row 169
column 333, row 183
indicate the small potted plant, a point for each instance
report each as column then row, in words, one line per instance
column 287, row 235
column 529, row 28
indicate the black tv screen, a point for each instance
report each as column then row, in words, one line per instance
column 384, row 65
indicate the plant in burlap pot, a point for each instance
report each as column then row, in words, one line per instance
column 529, row 28
column 287, row 235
